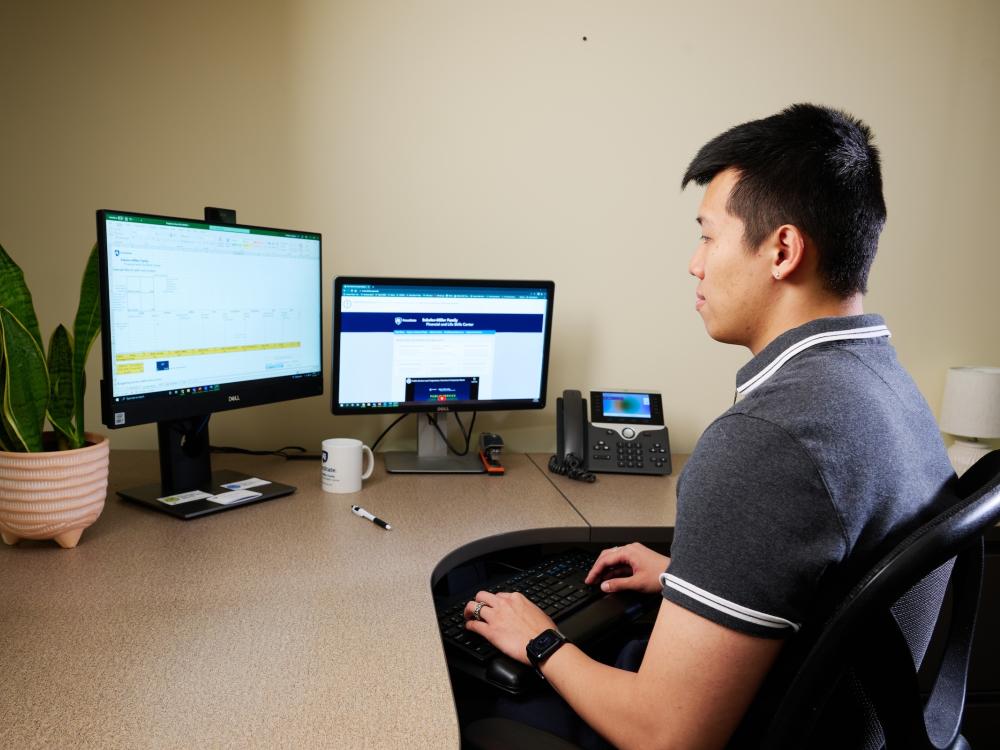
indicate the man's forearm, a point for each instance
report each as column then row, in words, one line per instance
column 695, row 683
column 605, row 697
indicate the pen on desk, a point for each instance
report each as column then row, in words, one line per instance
column 359, row 511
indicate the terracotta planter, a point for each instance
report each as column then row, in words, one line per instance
column 55, row 494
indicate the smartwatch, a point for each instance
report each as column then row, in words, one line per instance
column 542, row 646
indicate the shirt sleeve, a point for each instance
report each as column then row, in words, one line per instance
column 755, row 531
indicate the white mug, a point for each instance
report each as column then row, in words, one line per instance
column 342, row 464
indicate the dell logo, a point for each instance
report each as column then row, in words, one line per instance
column 234, row 398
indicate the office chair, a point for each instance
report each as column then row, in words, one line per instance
column 868, row 638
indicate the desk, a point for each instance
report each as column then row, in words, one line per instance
column 287, row 623
column 623, row 508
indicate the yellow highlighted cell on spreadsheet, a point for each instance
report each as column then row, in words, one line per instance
column 166, row 354
column 132, row 368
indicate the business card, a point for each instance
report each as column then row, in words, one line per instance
column 184, row 497
column 245, row 484
column 228, row 498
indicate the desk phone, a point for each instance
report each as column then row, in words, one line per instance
column 624, row 435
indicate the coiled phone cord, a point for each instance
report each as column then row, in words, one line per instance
column 572, row 467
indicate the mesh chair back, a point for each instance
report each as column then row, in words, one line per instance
column 877, row 634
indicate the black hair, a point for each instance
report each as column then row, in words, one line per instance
column 811, row 166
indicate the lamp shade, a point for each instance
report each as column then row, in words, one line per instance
column 971, row 406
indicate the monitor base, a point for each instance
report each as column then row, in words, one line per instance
column 150, row 494
column 408, row 462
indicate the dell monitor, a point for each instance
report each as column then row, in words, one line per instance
column 200, row 317
column 433, row 346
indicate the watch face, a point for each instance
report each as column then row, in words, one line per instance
column 542, row 646
column 544, row 642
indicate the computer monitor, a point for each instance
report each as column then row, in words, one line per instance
column 434, row 346
column 201, row 317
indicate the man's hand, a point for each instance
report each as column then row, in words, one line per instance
column 629, row 568
column 508, row 621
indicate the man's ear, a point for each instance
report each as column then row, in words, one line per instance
column 788, row 249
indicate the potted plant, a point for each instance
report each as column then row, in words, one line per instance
column 52, row 484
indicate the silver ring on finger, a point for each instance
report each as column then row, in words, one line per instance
column 476, row 610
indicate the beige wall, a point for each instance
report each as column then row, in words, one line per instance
column 478, row 139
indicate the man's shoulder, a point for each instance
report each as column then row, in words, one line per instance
column 838, row 389
column 856, row 412
column 840, row 370
column 740, row 444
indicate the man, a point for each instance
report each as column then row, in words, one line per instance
column 828, row 453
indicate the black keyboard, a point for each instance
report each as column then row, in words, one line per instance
column 555, row 585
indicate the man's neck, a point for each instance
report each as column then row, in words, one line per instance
column 791, row 313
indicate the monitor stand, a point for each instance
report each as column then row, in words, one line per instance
column 432, row 455
column 186, row 467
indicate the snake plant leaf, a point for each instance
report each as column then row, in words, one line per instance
column 7, row 443
column 61, row 406
column 85, row 329
column 26, row 387
column 14, row 295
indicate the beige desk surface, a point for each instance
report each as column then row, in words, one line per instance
column 623, row 508
column 290, row 623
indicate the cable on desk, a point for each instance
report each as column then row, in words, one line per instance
column 572, row 467
column 298, row 453
column 289, row 452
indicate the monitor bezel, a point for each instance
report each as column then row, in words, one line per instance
column 147, row 409
column 456, row 406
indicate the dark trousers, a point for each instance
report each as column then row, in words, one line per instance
column 546, row 710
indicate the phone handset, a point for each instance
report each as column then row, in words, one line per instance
column 571, row 438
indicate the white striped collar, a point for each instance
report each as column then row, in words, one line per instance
column 797, row 345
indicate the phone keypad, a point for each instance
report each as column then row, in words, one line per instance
column 644, row 454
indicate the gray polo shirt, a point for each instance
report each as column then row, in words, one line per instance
column 829, row 451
